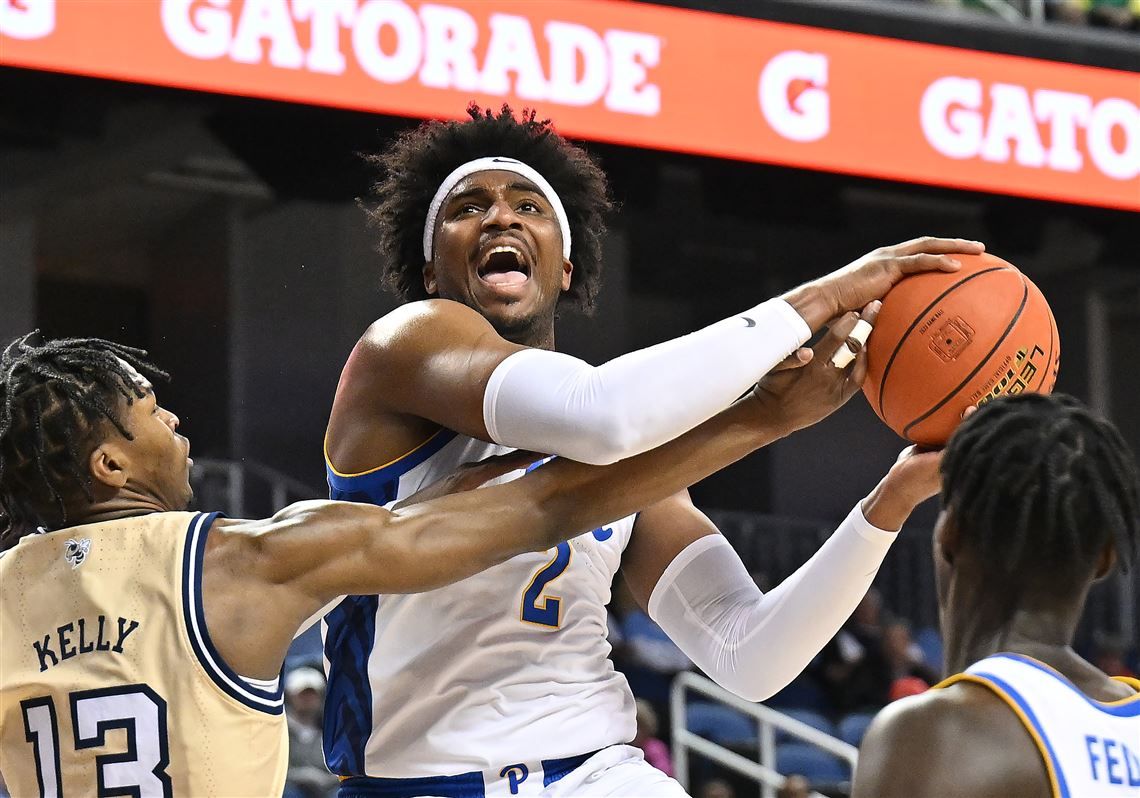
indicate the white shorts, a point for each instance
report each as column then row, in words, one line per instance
column 619, row 771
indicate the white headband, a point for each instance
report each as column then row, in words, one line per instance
column 495, row 163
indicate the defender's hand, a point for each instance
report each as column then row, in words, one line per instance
column 470, row 476
column 799, row 397
column 913, row 479
column 872, row 276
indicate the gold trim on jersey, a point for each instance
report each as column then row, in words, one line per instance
column 404, row 456
column 1054, row 785
column 1132, row 682
column 1128, row 680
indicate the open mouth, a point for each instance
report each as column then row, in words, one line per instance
column 504, row 264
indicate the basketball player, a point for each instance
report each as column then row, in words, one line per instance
column 140, row 645
column 1040, row 500
column 501, row 684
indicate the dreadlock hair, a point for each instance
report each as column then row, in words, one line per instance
column 56, row 397
column 417, row 162
column 1036, row 486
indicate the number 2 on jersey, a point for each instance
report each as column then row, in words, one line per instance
column 546, row 610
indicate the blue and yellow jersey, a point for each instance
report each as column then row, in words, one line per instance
column 505, row 666
column 1091, row 749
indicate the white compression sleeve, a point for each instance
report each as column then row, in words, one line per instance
column 557, row 404
column 755, row 643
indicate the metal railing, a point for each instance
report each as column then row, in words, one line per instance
column 242, row 489
column 768, row 721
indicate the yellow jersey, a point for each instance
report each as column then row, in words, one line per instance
column 109, row 683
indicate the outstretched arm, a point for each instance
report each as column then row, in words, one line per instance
column 443, row 362
column 309, row 553
column 753, row 643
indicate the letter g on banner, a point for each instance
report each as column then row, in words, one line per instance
column 807, row 115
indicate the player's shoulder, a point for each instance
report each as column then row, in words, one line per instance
column 949, row 736
column 912, row 721
column 964, row 713
column 410, row 320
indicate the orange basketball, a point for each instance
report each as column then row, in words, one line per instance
column 945, row 341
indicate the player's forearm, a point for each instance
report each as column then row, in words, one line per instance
column 443, row 540
column 576, row 496
column 550, row 402
column 755, row 643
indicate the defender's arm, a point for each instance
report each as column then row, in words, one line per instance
column 262, row 579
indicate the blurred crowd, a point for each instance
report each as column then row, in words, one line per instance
column 1118, row 14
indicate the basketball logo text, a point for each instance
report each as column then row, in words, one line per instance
column 1017, row 377
column 951, row 338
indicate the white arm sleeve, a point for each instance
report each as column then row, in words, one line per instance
column 557, row 404
column 755, row 643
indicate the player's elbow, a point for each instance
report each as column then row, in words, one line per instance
column 610, row 437
column 750, row 689
column 749, row 679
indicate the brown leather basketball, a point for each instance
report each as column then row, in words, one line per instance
column 946, row 341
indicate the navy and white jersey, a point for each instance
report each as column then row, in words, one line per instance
column 1091, row 749
column 506, row 665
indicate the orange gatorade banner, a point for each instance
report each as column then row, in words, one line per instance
column 632, row 74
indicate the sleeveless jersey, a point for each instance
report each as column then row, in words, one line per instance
column 1091, row 749
column 505, row 666
column 109, row 683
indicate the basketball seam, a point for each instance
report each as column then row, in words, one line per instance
column 977, row 368
column 918, row 319
column 1052, row 338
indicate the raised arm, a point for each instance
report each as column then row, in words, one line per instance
column 441, row 362
column 263, row 578
column 753, row 643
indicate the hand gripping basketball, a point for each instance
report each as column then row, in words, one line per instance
column 946, row 342
column 872, row 276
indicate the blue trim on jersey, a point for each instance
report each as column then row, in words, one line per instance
column 349, row 638
column 379, row 486
column 462, row 785
column 1008, row 689
column 555, row 769
column 465, row 785
column 351, row 625
column 1129, row 710
column 271, row 702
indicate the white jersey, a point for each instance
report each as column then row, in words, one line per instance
column 1091, row 749
column 506, row 666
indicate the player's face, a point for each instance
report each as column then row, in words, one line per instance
column 498, row 249
column 158, row 458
